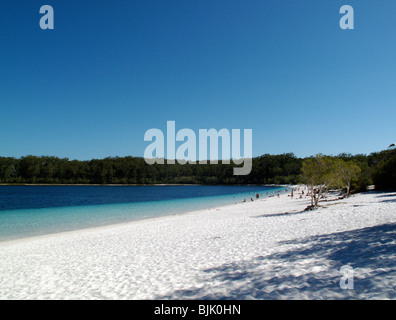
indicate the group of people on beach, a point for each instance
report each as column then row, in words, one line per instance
column 257, row 197
column 299, row 190
column 272, row 195
column 301, row 194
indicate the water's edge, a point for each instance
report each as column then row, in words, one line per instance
column 23, row 223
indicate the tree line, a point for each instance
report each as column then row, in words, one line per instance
column 376, row 168
column 269, row 169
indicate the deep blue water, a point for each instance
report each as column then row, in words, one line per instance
column 36, row 210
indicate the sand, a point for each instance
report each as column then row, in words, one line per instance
column 265, row 249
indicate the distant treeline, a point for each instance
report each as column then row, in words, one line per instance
column 376, row 168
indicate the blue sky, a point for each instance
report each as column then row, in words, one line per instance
column 110, row 70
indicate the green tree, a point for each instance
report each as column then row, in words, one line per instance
column 384, row 176
column 346, row 173
column 318, row 174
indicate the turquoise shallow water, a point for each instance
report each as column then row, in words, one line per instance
column 61, row 216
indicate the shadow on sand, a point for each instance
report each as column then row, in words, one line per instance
column 388, row 195
column 392, row 197
column 370, row 251
column 283, row 214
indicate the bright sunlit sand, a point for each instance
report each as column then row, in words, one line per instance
column 266, row 249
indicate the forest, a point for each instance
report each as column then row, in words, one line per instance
column 377, row 168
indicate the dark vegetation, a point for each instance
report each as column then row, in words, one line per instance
column 377, row 168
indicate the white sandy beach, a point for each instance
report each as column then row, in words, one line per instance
column 266, row 249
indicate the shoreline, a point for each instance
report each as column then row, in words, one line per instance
column 140, row 185
column 87, row 224
column 112, row 225
column 270, row 248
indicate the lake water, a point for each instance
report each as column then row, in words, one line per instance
column 27, row 211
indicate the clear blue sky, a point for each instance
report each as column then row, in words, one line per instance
column 110, row 70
